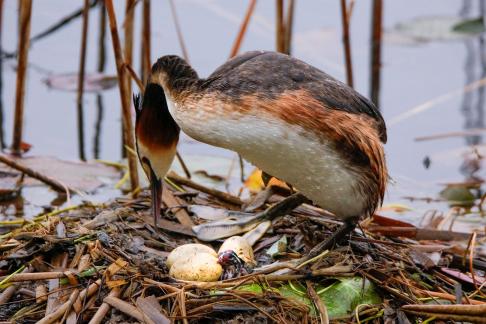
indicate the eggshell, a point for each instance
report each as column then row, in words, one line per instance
column 199, row 267
column 188, row 251
column 241, row 247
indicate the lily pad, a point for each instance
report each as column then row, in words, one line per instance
column 94, row 82
column 458, row 196
column 433, row 28
column 470, row 26
column 341, row 297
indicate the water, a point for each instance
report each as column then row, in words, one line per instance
column 411, row 75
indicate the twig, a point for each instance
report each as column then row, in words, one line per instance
column 82, row 65
column 324, row 317
column 183, row 165
column 448, row 309
column 64, row 308
column 213, row 192
column 182, row 306
column 455, row 318
column 375, row 62
column 34, row 174
column 24, row 33
column 243, row 27
column 125, row 307
column 124, row 96
column 346, row 42
column 105, row 307
column 8, row 292
column 35, row 276
column 134, row 76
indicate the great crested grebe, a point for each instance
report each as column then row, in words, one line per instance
column 288, row 118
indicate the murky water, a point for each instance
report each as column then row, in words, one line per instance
column 412, row 74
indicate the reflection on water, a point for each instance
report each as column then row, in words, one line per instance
column 472, row 105
column 99, row 120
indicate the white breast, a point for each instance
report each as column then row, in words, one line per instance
column 285, row 151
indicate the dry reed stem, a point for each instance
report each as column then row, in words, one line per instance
column 146, row 42
column 23, row 48
column 105, row 307
column 125, row 307
column 128, row 51
column 289, row 24
column 135, row 77
column 345, row 16
column 182, row 306
column 8, row 292
column 213, row 192
column 376, row 36
column 243, row 28
column 279, row 27
column 321, row 307
column 60, row 311
column 124, row 96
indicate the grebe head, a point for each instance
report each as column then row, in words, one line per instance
column 157, row 135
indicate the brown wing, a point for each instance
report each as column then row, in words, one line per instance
column 269, row 74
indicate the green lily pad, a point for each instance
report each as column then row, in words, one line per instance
column 458, row 196
column 470, row 26
column 341, row 297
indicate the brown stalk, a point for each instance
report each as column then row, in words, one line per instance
column 124, row 95
column 376, row 35
column 289, row 24
column 8, row 292
column 81, row 74
column 321, row 307
column 145, row 48
column 182, row 306
column 128, row 51
column 23, row 48
column 243, row 27
column 125, row 307
column 134, row 76
column 58, row 186
column 280, row 27
column 453, row 317
column 104, row 308
column 61, row 310
column 213, row 192
column 345, row 16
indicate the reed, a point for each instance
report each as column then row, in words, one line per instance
column 128, row 54
column 2, row 134
column 345, row 16
column 23, row 49
column 280, row 27
column 376, row 35
column 243, row 27
column 81, row 74
column 124, row 95
column 146, row 44
column 289, row 24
